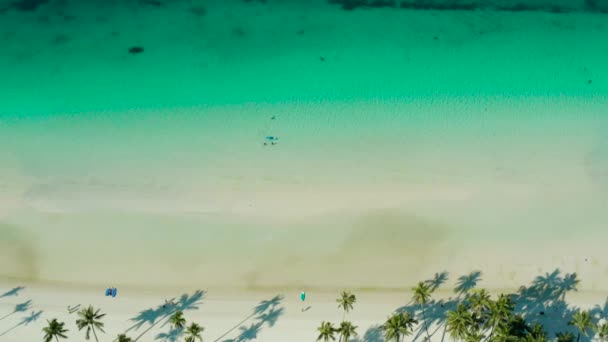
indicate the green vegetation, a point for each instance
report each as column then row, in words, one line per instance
column 346, row 331
column 124, row 338
column 582, row 321
column 422, row 294
column 177, row 320
column 193, row 333
column 398, row 326
column 54, row 330
column 346, row 302
column 537, row 313
column 90, row 319
column 326, row 332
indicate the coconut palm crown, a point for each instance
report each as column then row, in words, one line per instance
column 326, row 332
column 346, row 331
column 91, row 320
column 193, row 333
column 346, row 301
column 177, row 320
column 55, row 330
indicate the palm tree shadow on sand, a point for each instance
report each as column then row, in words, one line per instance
column 267, row 311
column 21, row 307
column 372, row 334
column 543, row 302
column 12, row 292
column 436, row 310
column 163, row 312
column 467, row 282
column 25, row 321
column 173, row 335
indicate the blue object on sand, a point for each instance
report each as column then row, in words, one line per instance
column 114, row 292
column 271, row 138
column 108, row 292
column 303, row 296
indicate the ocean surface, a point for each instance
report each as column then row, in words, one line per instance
column 324, row 144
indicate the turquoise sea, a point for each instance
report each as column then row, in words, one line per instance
column 302, row 143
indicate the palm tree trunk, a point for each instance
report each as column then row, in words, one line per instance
column 3, row 317
column 578, row 337
column 491, row 332
column 95, row 334
column 426, row 326
column 445, row 329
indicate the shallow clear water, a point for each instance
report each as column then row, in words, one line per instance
column 405, row 137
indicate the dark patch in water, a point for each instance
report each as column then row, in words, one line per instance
column 155, row 3
column 455, row 5
column 68, row 17
column 349, row 5
column 437, row 6
column 199, row 11
column 61, row 39
column 238, row 32
column 29, row 5
column 136, row 49
column 597, row 5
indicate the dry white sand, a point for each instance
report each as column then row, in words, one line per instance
column 231, row 316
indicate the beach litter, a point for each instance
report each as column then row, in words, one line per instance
column 111, row 292
column 74, row 309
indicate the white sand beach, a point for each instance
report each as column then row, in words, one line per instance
column 408, row 143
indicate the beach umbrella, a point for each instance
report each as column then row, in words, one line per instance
column 303, row 295
column 114, row 292
column 108, row 292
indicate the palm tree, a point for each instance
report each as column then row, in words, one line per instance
column 500, row 313
column 422, row 294
column 326, row 332
column 346, row 330
column 346, row 302
column 193, row 332
column 398, row 325
column 54, row 329
column 536, row 334
column 480, row 303
column 124, row 338
column 458, row 322
column 602, row 332
column 582, row 321
column 564, row 337
column 90, row 319
column 177, row 320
